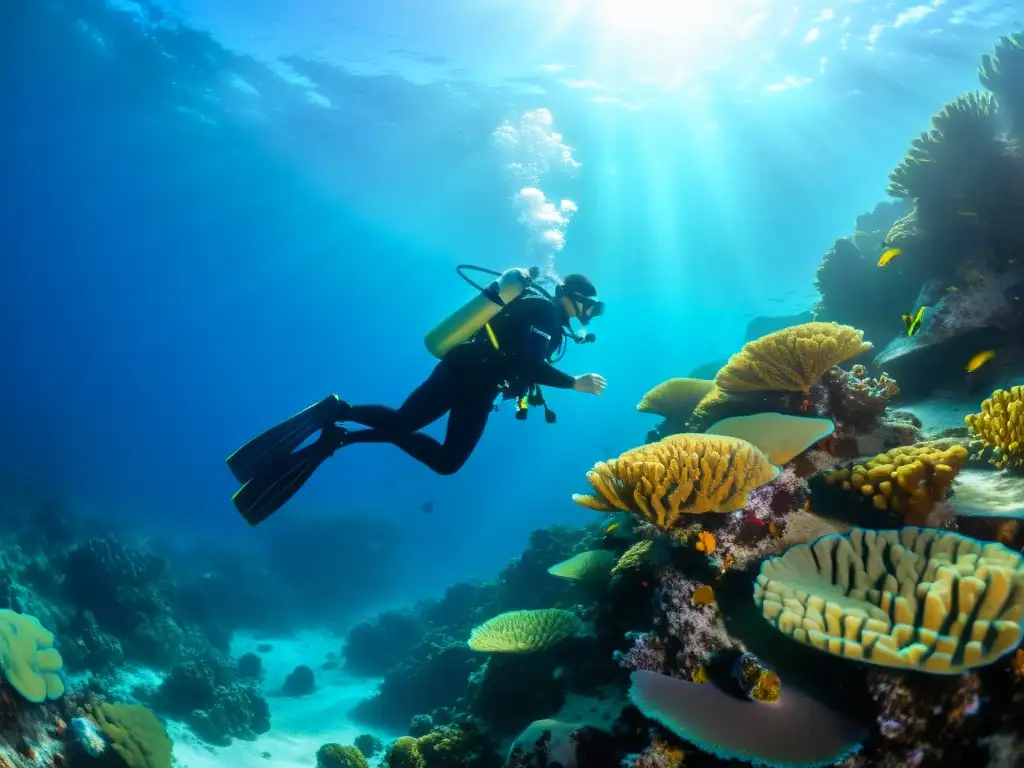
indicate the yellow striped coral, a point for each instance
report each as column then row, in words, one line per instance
column 1000, row 425
column 908, row 480
column 685, row 474
column 675, row 399
column 792, row 359
column 916, row 598
column 523, row 631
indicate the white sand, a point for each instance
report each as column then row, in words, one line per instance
column 298, row 725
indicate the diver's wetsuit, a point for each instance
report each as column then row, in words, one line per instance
column 466, row 383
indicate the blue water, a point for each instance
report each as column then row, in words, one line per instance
column 216, row 214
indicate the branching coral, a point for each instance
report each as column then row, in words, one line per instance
column 680, row 475
column 675, row 399
column 909, row 481
column 917, row 598
column 793, row 359
column 1000, row 425
column 523, row 631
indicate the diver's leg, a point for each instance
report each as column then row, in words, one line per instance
column 428, row 402
column 284, row 438
column 466, row 422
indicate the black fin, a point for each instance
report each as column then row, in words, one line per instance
column 268, row 491
column 281, row 440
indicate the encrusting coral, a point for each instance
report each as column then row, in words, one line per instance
column 524, row 631
column 28, row 659
column 1000, row 425
column 793, row 359
column 917, row 598
column 135, row 734
column 908, row 481
column 676, row 398
column 681, row 475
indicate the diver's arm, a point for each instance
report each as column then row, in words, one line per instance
column 545, row 374
column 540, row 326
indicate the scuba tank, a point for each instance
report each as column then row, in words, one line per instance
column 465, row 321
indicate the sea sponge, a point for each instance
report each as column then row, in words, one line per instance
column 634, row 558
column 339, row 756
column 675, row 399
column 594, row 565
column 795, row 731
column 792, row 359
column 1000, row 425
column 944, row 161
column 523, row 631
column 917, row 598
column 908, row 481
column 680, row 475
column 28, row 659
column 135, row 734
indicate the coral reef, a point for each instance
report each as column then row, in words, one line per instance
column 923, row 599
column 340, row 756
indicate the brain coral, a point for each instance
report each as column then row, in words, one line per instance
column 523, row 631
column 1000, row 425
column 917, row 598
column 682, row 474
column 792, row 359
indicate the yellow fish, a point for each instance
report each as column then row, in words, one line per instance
column 611, row 528
column 913, row 322
column 888, row 256
column 979, row 360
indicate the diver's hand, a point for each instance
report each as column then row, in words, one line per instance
column 591, row 383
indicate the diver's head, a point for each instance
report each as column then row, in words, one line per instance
column 578, row 298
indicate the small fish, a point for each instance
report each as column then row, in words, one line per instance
column 611, row 528
column 952, row 289
column 888, row 256
column 1011, row 261
column 427, row 507
column 913, row 322
column 966, row 213
column 979, row 360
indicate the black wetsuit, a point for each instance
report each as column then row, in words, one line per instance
column 466, row 383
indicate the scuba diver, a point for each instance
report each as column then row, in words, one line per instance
column 500, row 343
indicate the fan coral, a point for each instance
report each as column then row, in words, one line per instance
column 675, row 399
column 28, row 659
column 944, row 162
column 908, row 481
column 594, row 565
column 523, row 631
column 917, row 598
column 680, row 475
column 1002, row 73
column 793, row 359
column 1000, row 425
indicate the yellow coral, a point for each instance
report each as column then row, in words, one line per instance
column 135, row 734
column 908, row 480
column 682, row 474
column 634, row 558
column 1000, row 425
column 28, row 659
column 523, row 631
column 792, row 359
column 706, row 542
column 915, row 598
column 675, row 399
